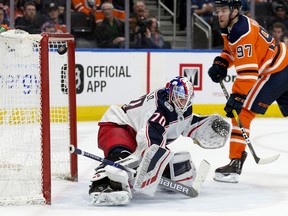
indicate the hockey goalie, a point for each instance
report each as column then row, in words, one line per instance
column 137, row 136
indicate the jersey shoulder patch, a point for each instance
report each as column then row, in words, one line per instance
column 240, row 28
column 162, row 101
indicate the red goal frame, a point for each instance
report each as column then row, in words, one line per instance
column 45, row 106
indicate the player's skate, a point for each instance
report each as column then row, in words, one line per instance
column 230, row 173
column 105, row 191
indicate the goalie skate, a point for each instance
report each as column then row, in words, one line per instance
column 105, row 191
column 109, row 197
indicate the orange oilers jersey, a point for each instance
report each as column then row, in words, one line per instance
column 251, row 49
column 83, row 6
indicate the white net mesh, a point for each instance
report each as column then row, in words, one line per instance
column 20, row 117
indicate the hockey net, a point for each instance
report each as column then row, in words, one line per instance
column 37, row 115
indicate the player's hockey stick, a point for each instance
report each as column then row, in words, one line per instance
column 245, row 135
column 164, row 182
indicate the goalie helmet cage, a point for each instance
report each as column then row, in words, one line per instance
column 37, row 115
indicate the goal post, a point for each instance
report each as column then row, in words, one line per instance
column 37, row 115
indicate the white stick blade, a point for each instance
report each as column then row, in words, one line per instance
column 268, row 160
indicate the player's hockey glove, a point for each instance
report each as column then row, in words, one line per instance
column 218, row 71
column 235, row 102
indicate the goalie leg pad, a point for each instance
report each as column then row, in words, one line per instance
column 151, row 168
column 182, row 169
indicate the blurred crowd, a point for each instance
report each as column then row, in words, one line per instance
column 271, row 14
column 102, row 22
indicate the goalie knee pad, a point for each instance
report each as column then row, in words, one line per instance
column 181, row 169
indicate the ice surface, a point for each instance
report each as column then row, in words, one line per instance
column 262, row 190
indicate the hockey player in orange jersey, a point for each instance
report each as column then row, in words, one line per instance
column 262, row 77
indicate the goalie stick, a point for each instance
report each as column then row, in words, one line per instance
column 245, row 135
column 164, row 182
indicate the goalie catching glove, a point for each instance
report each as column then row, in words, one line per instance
column 209, row 132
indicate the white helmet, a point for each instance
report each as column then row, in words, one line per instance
column 181, row 93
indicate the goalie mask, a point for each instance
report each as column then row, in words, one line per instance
column 181, row 93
